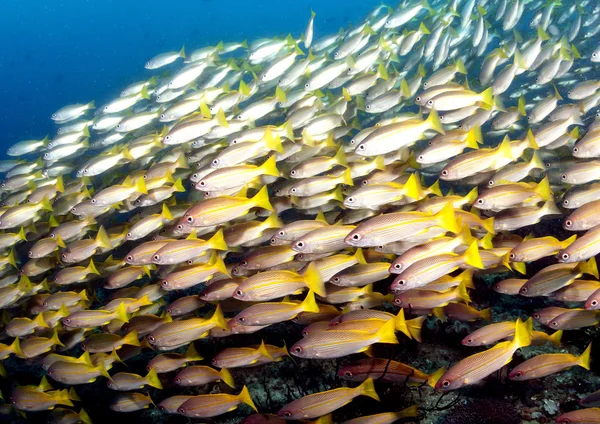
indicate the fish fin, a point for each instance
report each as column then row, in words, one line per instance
column 91, row 268
column 486, row 314
column 412, row 188
column 325, row 419
column 217, row 241
column 589, row 267
column 440, row 314
column 522, row 334
column 217, row 318
column 555, row 338
column 270, row 167
column 86, row 359
column 153, row 380
column 309, row 304
column 387, row 333
column 15, row 346
column 45, row 204
column 359, row 257
column 400, row 323
column 367, row 388
column 227, row 378
column 84, row 417
column 60, row 242
column 565, row 243
column 55, row 340
column 347, row 177
column 446, row 218
column 221, row 120
column 461, row 292
column 414, row 327
column 62, row 397
column 273, row 143
column 73, row 395
column 121, row 312
column 178, row 186
column 102, row 239
column 471, row 140
column 543, row 189
column 488, row 225
column 261, row 200
column 191, row 354
column 244, row 397
column 131, row 339
column 487, row 96
column 520, row 267
column 584, row 359
column 434, row 122
column 40, row 322
column 432, row 379
column 312, row 279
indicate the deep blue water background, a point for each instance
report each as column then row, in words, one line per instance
column 61, row 52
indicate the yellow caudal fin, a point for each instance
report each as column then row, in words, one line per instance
column 217, row 318
column 121, row 312
column 412, row 188
column 555, row 338
column 227, row 378
column 414, row 327
column 313, row 280
column 584, row 359
column 45, row 204
column 471, row 140
column 387, row 333
column 471, row 256
column 486, row 314
column 91, row 268
column 178, row 186
column 565, row 243
column 537, row 162
column 61, row 397
column 487, row 97
column 434, row 122
column 15, row 347
column 40, row 322
column 272, row 143
column 309, row 304
column 102, row 239
column 543, row 189
column 340, row 157
column 446, row 218
column 367, row 388
column 400, row 323
column 359, row 257
column 60, row 242
column 261, row 200
column 461, row 292
column 522, row 334
column 131, row 339
column 379, row 162
column 101, row 368
column 140, row 186
column 244, row 397
column 270, row 167
column 86, row 359
column 325, row 419
column 55, row 340
column 460, row 67
column 60, row 186
column 191, row 354
column 166, row 213
column 262, row 349
column 217, row 241
column 153, row 380
column 220, row 118
column 589, row 267
column 346, row 177
column 84, row 417
column 220, row 266
column 432, row 379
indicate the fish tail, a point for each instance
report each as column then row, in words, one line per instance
column 309, row 304
column 486, row 314
column 262, row 349
column 340, row 157
column 121, row 312
column 84, row 417
column 487, row 96
column 178, row 186
column 16, row 347
column 153, row 380
column 471, row 140
column 400, row 323
column 387, row 333
column 411, row 411
column 45, row 204
column 566, row 243
column 522, row 334
column 261, row 199
column 217, row 241
column 244, row 397
column 461, row 292
column 85, row 359
column 367, row 388
column 446, row 218
column 221, row 120
column 191, row 354
column 40, row 322
column 55, row 340
column 414, row 327
column 434, row 122
column 220, row 266
column 412, row 188
column 62, row 397
column 270, row 167
column 73, row 395
column 131, row 339
column 312, row 279
column 347, row 177
column 273, row 143
column 555, row 338
column 488, row 225
column 589, row 267
column 432, row 379
column 227, row 378
column 101, row 368
column 543, row 189
column 584, row 359
column 434, row 188
column 460, row 67
column 91, row 268
column 359, row 257
column 472, row 257
column 217, row 318
column 102, row 238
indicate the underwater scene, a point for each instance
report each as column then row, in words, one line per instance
column 317, row 212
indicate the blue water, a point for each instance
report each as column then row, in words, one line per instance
column 73, row 51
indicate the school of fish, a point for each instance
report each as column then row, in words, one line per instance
column 354, row 184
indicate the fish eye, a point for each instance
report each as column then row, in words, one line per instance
column 430, row 102
column 564, row 256
column 401, row 282
column 356, row 236
column 523, row 290
column 162, row 115
column 215, row 162
column 177, row 380
column 445, row 173
column 190, row 219
column 244, row 263
column 93, row 201
column 336, row 54
column 151, row 339
column 361, row 147
column 300, row 244
column 304, row 333
column 281, row 233
column 168, row 138
column 398, row 302
column 45, row 304
column 164, row 283
column 30, row 254
column 65, row 320
column 446, row 383
column 368, row 107
column 202, row 183
column 155, row 258
column 365, row 182
column 568, row 223
column 350, row 200
column 469, row 340
column 287, row 414
column 241, row 319
column 594, row 302
column 397, row 266
column 297, row 349
column 491, row 183
column 418, row 98
column 64, row 256
column 181, row 410
column 536, row 316
column 239, row 293
column 512, row 256
column 554, row 324
column 594, row 54
column 179, row 227
column 293, row 190
column 480, row 201
column 293, row 172
column 565, row 202
column 307, row 85
column 129, row 258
